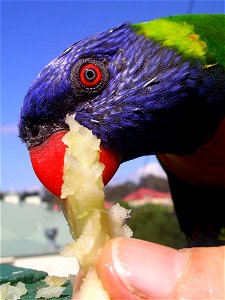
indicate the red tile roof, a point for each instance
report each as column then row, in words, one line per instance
column 144, row 193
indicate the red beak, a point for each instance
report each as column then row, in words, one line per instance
column 48, row 162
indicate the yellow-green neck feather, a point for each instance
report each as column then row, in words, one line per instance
column 200, row 37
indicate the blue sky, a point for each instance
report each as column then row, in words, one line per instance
column 33, row 33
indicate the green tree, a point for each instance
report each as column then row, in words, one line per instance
column 157, row 224
column 113, row 193
column 116, row 192
column 156, row 183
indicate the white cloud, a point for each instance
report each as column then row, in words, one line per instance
column 7, row 130
column 135, row 169
column 152, row 168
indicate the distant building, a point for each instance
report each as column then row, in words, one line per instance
column 36, row 200
column 11, row 198
column 144, row 195
column 17, row 198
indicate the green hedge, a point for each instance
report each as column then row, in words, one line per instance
column 156, row 223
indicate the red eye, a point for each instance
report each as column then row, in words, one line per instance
column 90, row 75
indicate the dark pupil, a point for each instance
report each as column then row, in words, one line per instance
column 90, row 74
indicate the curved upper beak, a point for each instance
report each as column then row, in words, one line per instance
column 48, row 162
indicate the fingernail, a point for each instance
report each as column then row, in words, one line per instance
column 147, row 269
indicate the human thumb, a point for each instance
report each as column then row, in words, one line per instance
column 136, row 269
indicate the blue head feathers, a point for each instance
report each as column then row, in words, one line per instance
column 148, row 99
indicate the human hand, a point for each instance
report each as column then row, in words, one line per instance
column 136, row 269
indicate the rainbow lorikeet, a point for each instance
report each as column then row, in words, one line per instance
column 151, row 88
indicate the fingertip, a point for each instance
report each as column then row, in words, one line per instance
column 108, row 273
column 136, row 269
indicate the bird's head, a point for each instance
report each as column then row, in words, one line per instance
column 137, row 96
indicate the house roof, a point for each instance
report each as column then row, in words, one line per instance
column 144, row 193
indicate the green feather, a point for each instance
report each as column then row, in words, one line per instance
column 199, row 37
